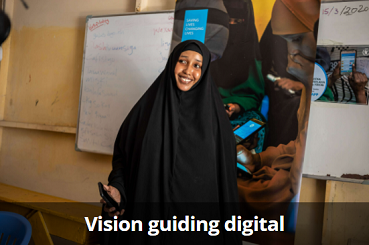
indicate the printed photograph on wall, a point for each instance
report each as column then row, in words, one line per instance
column 263, row 60
column 343, row 50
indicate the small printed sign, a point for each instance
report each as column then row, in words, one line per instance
column 319, row 83
column 194, row 26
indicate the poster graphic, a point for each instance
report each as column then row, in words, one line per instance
column 319, row 83
column 263, row 65
column 343, row 86
column 195, row 25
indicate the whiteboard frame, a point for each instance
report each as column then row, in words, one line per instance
column 88, row 17
column 322, row 177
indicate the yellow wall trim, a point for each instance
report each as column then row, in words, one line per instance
column 61, row 129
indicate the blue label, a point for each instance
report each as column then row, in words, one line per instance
column 194, row 26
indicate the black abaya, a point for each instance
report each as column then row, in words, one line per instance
column 242, row 49
column 175, row 154
column 282, row 120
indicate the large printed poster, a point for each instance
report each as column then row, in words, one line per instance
column 263, row 65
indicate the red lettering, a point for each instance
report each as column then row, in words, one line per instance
column 158, row 30
column 99, row 46
column 97, row 24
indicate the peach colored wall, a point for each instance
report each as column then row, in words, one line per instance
column 39, row 83
column 41, row 74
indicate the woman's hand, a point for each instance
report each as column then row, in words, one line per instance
column 115, row 194
column 251, row 143
column 233, row 108
column 247, row 159
column 335, row 75
column 288, row 84
column 358, row 82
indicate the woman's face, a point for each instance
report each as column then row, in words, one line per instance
column 188, row 69
column 301, row 55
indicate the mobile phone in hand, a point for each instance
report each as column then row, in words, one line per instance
column 110, row 202
column 348, row 58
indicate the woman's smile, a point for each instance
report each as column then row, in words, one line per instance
column 188, row 70
column 183, row 79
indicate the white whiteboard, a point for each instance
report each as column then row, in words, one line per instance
column 344, row 23
column 337, row 140
column 123, row 55
column 338, row 134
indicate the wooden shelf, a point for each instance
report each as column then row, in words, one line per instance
column 60, row 129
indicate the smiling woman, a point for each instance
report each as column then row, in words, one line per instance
column 175, row 154
column 188, row 69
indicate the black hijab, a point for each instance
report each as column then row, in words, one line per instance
column 242, row 47
column 176, row 147
column 283, row 124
